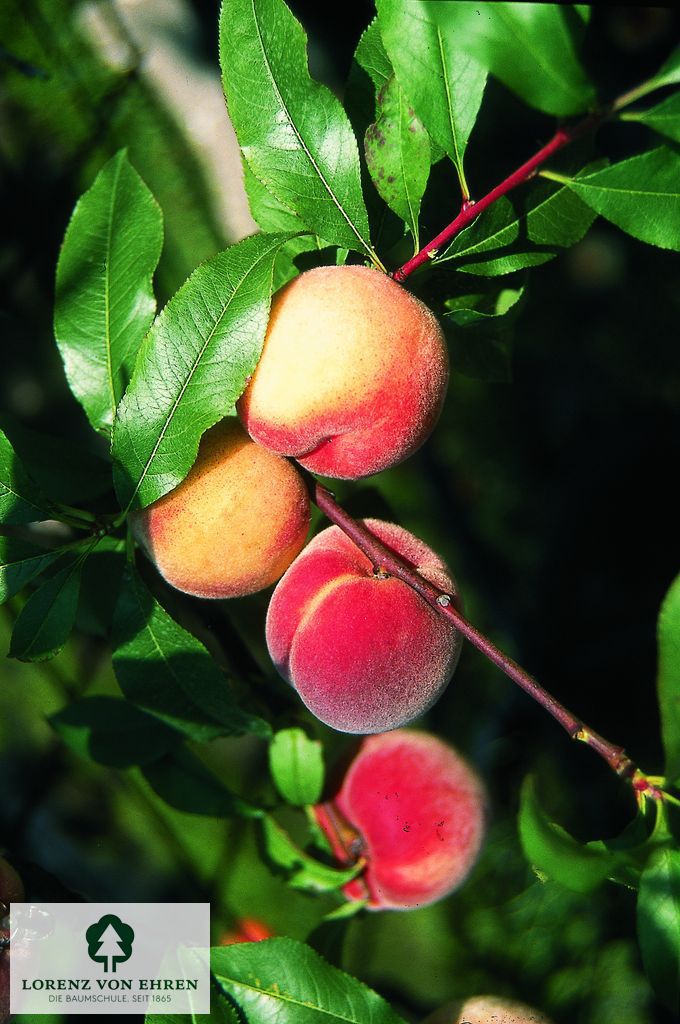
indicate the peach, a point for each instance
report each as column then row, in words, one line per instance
column 487, row 1010
column 364, row 651
column 234, row 525
column 352, row 376
column 415, row 810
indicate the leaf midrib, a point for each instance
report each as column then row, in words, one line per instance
column 366, row 246
column 192, row 371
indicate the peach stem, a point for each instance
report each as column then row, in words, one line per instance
column 386, row 560
column 470, row 209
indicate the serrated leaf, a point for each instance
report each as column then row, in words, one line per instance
column 398, row 155
column 271, row 215
column 104, row 294
column 372, row 57
column 184, row 782
column 44, row 623
column 221, row 1012
column 524, row 232
column 21, row 500
column 167, row 672
column 192, row 367
column 293, row 132
column 640, row 195
column 550, row 849
column 658, row 924
column 668, row 678
column 113, row 732
column 664, row 118
column 530, row 47
column 296, row 765
column 286, row 981
column 20, row 563
column 444, row 84
column 302, row 871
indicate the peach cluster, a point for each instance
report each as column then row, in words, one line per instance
column 351, row 380
column 415, row 811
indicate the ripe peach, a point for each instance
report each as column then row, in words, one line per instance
column 365, row 653
column 234, row 525
column 487, row 1010
column 353, row 373
column 415, row 810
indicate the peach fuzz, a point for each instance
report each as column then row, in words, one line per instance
column 352, row 376
column 487, row 1010
column 365, row 653
column 417, row 811
column 234, row 525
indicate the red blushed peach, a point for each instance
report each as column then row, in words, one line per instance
column 415, row 810
column 365, row 653
column 234, row 525
column 487, row 1010
column 352, row 376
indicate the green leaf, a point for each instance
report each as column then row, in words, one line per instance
column 20, row 563
column 658, row 923
column 664, row 118
column 296, row 765
column 44, row 623
column 669, row 73
column 192, row 367
column 184, row 782
column 167, row 672
column 478, row 328
column 302, row 871
column 104, row 295
column 640, row 195
column 271, row 215
column 293, row 132
column 21, row 500
column 398, row 155
column 221, row 1012
column 557, row 854
column 524, row 232
column 668, row 678
column 372, row 57
column 113, row 732
column 286, row 981
column 444, row 84
column 528, row 46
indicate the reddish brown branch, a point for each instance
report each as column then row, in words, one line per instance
column 385, row 559
column 471, row 210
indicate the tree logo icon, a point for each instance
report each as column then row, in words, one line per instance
column 109, row 941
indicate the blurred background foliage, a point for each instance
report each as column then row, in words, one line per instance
column 551, row 497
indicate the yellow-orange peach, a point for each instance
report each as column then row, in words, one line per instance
column 352, row 376
column 234, row 525
column 487, row 1010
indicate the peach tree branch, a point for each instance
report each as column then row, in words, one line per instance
column 470, row 209
column 386, row 561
